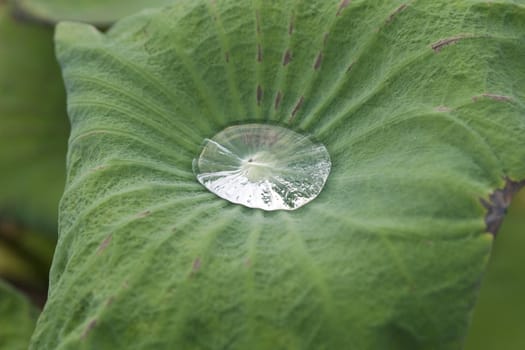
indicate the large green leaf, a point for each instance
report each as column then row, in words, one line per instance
column 17, row 319
column 33, row 125
column 421, row 107
column 99, row 12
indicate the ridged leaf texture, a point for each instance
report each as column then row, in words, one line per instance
column 421, row 107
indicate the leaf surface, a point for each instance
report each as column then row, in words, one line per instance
column 421, row 107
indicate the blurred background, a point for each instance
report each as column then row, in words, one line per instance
column 33, row 143
column 499, row 316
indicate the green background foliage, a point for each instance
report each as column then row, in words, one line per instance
column 15, row 330
column 99, row 12
column 34, row 126
column 420, row 106
column 33, row 140
column 498, row 321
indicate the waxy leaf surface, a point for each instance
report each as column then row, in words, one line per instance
column 421, row 107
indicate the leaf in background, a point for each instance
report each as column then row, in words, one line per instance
column 33, row 125
column 17, row 319
column 421, row 107
column 25, row 258
column 98, row 12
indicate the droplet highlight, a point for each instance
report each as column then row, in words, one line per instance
column 263, row 166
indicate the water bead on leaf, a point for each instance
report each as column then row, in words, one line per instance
column 263, row 166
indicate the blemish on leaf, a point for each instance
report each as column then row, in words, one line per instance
column 92, row 324
column 344, row 4
column 498, row 203
column 143, row 214
column 287, row 58
column 259, row 95
column 325, row 39
column 227, row 56
column 278, row 98
column 258, row 21
column 350, row 67
column 500, row 98
column 291, row 26
column 196, row 265
column 297, row 107
column 395, row 13
column 259, row 53
column 443, row 109
column 439, row 45
column 318, row 61
column 248, row 262
column 104, row 244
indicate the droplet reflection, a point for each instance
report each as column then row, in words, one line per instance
column 263, row 166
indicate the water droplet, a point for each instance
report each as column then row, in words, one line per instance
column 263, row 166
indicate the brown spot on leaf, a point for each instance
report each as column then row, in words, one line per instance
column 500, row 98
column 92, row 324
column 297, row 107
column 291, row 26
column 395, row 13
column 227, row 56
column 278, row 98
column 344, row 4
column 318, row 61
column 196, row 265
column 104, row 244
column 439, row 45
column 325, row 39
column 350, row 67
column 259, row 95
column 287, row 58
column 259, row 53
column 498, row 203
